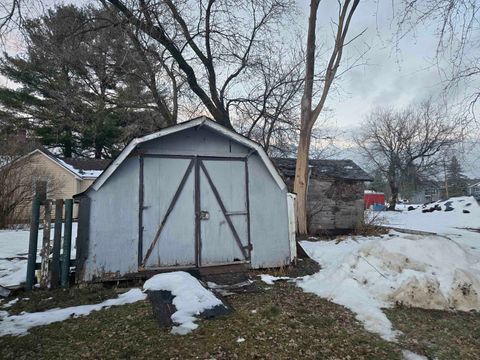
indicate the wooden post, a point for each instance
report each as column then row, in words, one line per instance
column 57, row 241
column 32, row 244
column 46, row 246
column 67, row 243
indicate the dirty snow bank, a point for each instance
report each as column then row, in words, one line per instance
column 367, row 274
column 191, row 298
column 20, row 324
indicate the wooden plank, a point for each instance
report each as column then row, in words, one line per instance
column 67, row 243
column 141, row 193
column 57, row 241
column 82, row 242
column 32, row 244
column 198, row 238
column 46, row 246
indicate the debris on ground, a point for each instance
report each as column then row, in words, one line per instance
column 190, row 298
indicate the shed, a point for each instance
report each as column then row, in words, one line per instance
column 192, row 195
column 335, row 193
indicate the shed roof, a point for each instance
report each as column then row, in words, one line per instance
column 337, row 169
column 200, row 121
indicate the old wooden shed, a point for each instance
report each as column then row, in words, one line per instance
column 335, row 193
column 190, row 196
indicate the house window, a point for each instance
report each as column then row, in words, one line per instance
column 41, row 190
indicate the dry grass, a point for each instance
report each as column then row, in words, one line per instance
column 279, row 322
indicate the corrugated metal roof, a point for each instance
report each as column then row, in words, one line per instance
column 337, row 169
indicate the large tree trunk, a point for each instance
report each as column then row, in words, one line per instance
column 301, row 180
column 394, row 196
column 307, row 121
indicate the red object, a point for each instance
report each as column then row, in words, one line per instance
column 373, row 198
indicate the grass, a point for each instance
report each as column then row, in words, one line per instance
column 279, row 322
column 438, row 334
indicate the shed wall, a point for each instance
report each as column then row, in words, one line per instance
column 334, row 205
column 268, row 218
column 113, row 235
column 200, row 141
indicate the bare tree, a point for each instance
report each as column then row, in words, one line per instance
column 398, row 141
column 457, row 29
column 269, row 114
column 214, row 42
column 309, row 111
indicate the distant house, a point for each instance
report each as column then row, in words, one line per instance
column 335, row 193
column 474, row 190
column 426, row 192
column 51, row 176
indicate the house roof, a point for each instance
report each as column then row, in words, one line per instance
column 84, row 167
column 80, row 168
column 474, row 185
column 200, row 121
column 337, row 169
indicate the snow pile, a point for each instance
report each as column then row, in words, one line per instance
column 190, row 298
column 269, row 279
column 20, row 324
column 366, row 274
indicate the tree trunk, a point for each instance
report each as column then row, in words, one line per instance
column 301, row 180
column 394, row 197
column 98, row 152
column 303, row 151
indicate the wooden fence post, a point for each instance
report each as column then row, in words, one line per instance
column 46, row 246
column 57, row 241
column 32, row 244
column 67, row 243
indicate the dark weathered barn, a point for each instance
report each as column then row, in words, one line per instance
column 335, row 193
column 192, row 195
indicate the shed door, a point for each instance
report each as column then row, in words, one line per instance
column 223, row 211
column 168, row 212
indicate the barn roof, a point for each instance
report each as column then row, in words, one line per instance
column 200, row 121
column 337, row 169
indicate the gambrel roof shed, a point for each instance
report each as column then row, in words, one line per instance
column 192, row 195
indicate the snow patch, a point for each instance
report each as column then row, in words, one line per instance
column 20, row 324
column 191, row 298
column 410, row 355
column 270, row 280
column 10, row 303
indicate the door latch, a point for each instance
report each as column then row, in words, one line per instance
column 204, row 215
